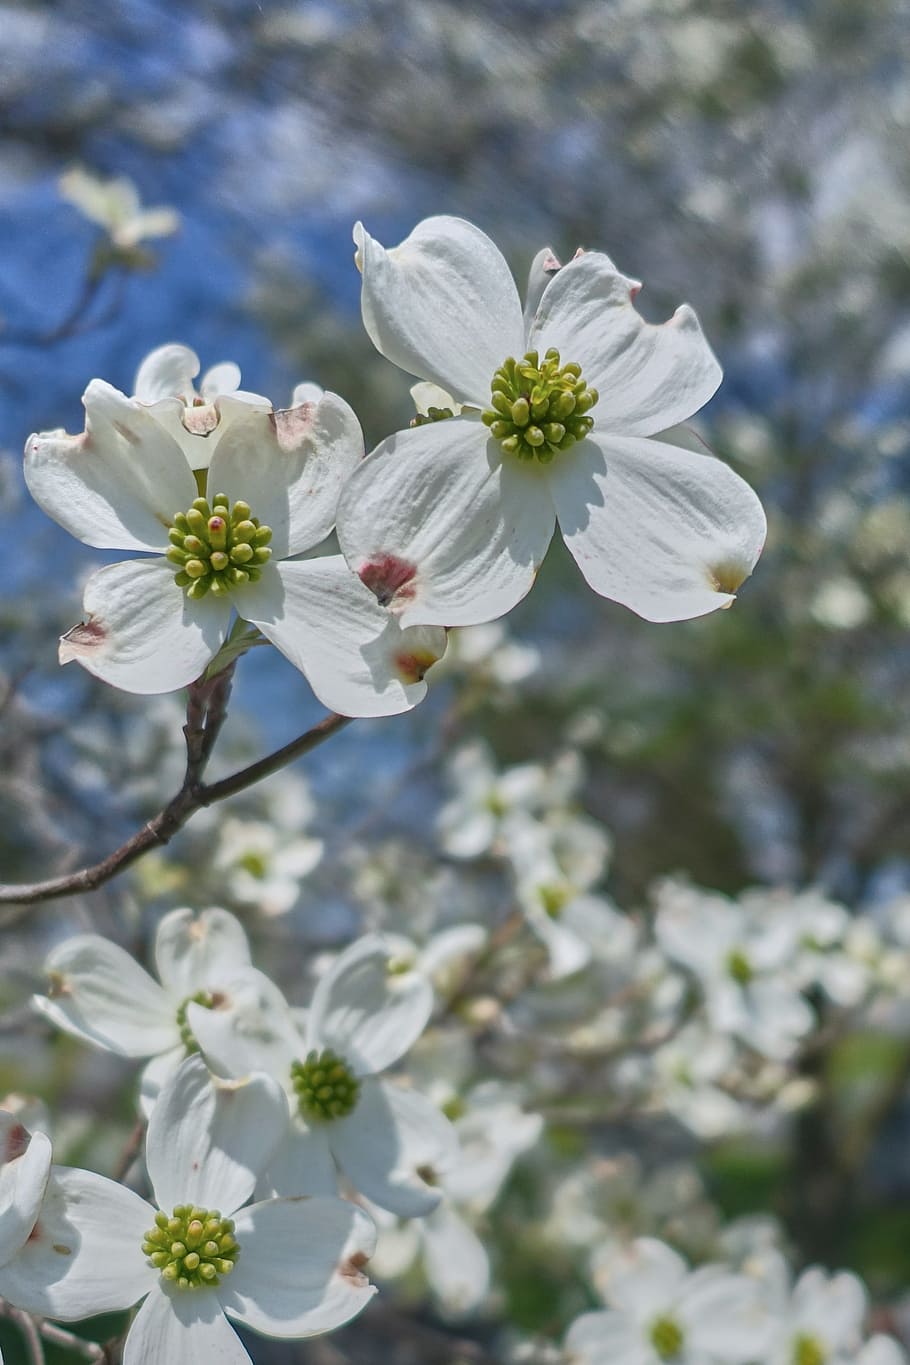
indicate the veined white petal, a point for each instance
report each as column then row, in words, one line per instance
column 301, row 1164
column 366, row 1013
column 183, row 1327
column 25, row 1164
column 301, row 1271
column 100, row 993
column 354, row 653
column 666, row 532
column 119, row 484
column 290, row 466
column 392, row 1145
column 648, row 377
column 443, row 305
column 251, row 1030
column 156, row 1072
column 142, row 632
column 443, row 529
column 167, row 372
column 84, row 1255
column 208, row 1139
column 456, row 1261
column 196, row 951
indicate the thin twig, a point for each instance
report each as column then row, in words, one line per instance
column 59, row 1336
column 29, row 1329
column 206, row 710
column 130, row 1151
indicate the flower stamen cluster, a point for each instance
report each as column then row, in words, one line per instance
column 667, row 1338
column 739, row 967
column 808, row 1351
column 204, row 998
column 217, row 548
column 424, row 419
column 325, row 1086
column 539, row 407
column 192, row 1247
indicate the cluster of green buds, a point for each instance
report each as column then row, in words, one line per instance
column 423, row 419
column 667, row 1338
column 204, row 998
column 539, row 407
column 808, row 1351
column 739, row 967
column 217, row 548
column 191, row 1247
column 325, row 1086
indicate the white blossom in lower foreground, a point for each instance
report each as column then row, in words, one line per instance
column 25, row 1165
column 225, row 540
column 199, row 1255
column 820, row 1319
column 661, row 1311
column 99, row 993
column 551, row 420
column 390, row 1142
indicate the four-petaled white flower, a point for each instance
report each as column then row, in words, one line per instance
column 819, row 1320
column 115, row 206
column 99, row 993
column 197, row 420
column 448, row 522
column 661, row 1311
column 273, row 483
column 282, row 1267
column 390, row 1142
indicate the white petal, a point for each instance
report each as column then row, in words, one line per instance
column 723, row 1316
column 119, row 485
column 223, row 378
column 443, row 529
column 543, row 268
column 300, row 1271
column 193, row 952
column 648, row 377
column 142, row 632
column 182, row 1327
column 643, row 1278
column 85, row 1253
column 100, row 993
column 568, row 951
column 354, row 653
column 456, row 1262
column 306, row 392
column 442, row 305
column 880, row 1350
column 290, row 467
column 392, row 1146
column 595, row 1338
column 364, row 1012
column 167, row 372
column 155, row 1074
column 666, row 532
column 252, row 1029
column 25, row 1164
column 208, row 1139
column 302, row 1164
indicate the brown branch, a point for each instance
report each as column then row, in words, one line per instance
column 206, row 712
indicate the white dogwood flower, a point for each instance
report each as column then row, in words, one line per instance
column 197, row 419
column 115, row 206
column 661, row 1311
column 819, row 1320
column 448, row 522
column 389, row 1141
column 225, row 541
column 199, row 1255
column 25, row 1164
column 99, row 993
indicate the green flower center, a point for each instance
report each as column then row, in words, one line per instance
column 539, row 407
column 325, row 1086
column 217, row 548
column 808, row 1351
column 554, row 897
column 739, row 967
column 192, row 1247
column 666, row 1338
column 187, row 1037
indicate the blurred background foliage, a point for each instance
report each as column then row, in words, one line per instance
column 747, row 157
